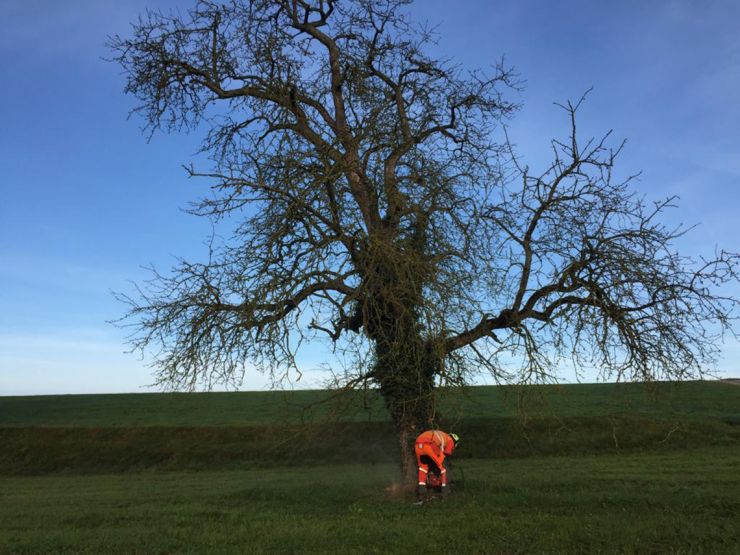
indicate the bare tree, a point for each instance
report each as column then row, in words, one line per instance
column 368, row 200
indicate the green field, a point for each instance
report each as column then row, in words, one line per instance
column 583, row 469
column 701, row 400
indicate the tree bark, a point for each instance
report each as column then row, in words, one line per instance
column 405, row 361
column 406, row 375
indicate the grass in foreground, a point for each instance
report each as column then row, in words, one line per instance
column 680, row 502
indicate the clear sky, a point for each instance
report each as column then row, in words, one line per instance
column 85, row 201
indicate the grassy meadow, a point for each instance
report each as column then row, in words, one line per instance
column 567, row 469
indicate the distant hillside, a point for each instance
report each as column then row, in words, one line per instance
column 696, row 400
column 122, row 433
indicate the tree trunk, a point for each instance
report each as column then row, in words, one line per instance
column 406, row 376
column 405, row 362
column 406, row 438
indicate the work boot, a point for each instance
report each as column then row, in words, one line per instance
column 421, row 492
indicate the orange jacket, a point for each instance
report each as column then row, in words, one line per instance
column 438, row 442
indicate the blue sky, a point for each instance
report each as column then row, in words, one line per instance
column 86, row 200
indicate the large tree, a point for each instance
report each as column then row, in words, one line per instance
column 370, row 197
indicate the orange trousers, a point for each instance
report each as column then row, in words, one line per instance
column 427, row 455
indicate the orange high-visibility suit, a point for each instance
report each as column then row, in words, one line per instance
column 433, row 446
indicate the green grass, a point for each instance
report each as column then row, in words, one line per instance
column 684, row 502
column 688, row 399
column 693, row 400
column 158, row 409
column 563, row 469
column 86, row 433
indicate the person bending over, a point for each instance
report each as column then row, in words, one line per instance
column 431, row 448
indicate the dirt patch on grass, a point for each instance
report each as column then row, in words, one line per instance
column 399, row 490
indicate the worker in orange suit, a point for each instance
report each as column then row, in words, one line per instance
column 431, row 448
